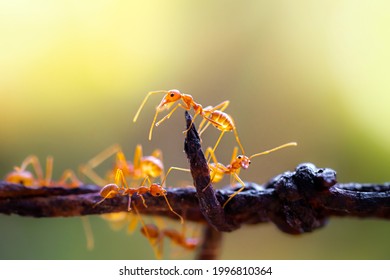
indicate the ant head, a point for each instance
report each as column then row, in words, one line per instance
column 21, row 177
column 109, row 191
column 244, row 161
column 157, row 190
column 172, row 95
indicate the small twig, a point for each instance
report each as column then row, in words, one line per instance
column 208, row 203
column 211, row 244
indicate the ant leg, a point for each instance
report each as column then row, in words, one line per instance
column 111, row 190
column 137, row 157
column 219, row 139
column 234, row 154
column 238, row 141
column 173, row 211
column 145, row 230
column 120, row 179
column 102, row 156
column 129, row 202
column 152, row 125
column 87, row 169
column 163, row 119
column 88, row 233
column 49, row 170
column 143, row 200
column 71, row 176
column 164, row 191
column 201, row 128
column 217, row 170
column 169, row 170
column 237, row 192
column 34, row 161
column 169, row 114
column 155, row 238
column 222, row 106
column 192, row 121
column 165, row 197
column 108, row 195
column 121, row 163
column 132, row 224
column 160, row 246
column 139, row 192
column 93, row 176
column 209, row 154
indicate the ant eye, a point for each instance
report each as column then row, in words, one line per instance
column 250, row 162
column 239, row 157
column 172, row 94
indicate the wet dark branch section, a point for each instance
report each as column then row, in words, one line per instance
column 296, row 202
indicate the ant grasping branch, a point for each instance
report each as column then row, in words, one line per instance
column 121, row 188
column 21, row 175
column 213, row 115
column 141, row 167
column 218, row 170
column 156, row 238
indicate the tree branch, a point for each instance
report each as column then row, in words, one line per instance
column 209, row 205
column 296, row 202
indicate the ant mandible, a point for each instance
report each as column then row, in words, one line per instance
column 121, row 188
column 21, row 175
column 217, row 170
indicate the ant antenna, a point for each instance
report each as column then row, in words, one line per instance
column 290, row 144
column 144, row 101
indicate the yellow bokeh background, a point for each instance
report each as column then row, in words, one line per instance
column 73, row 73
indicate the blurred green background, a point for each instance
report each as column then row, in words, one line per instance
column 73, row 73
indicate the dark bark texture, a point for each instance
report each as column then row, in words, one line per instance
column 296, row 201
